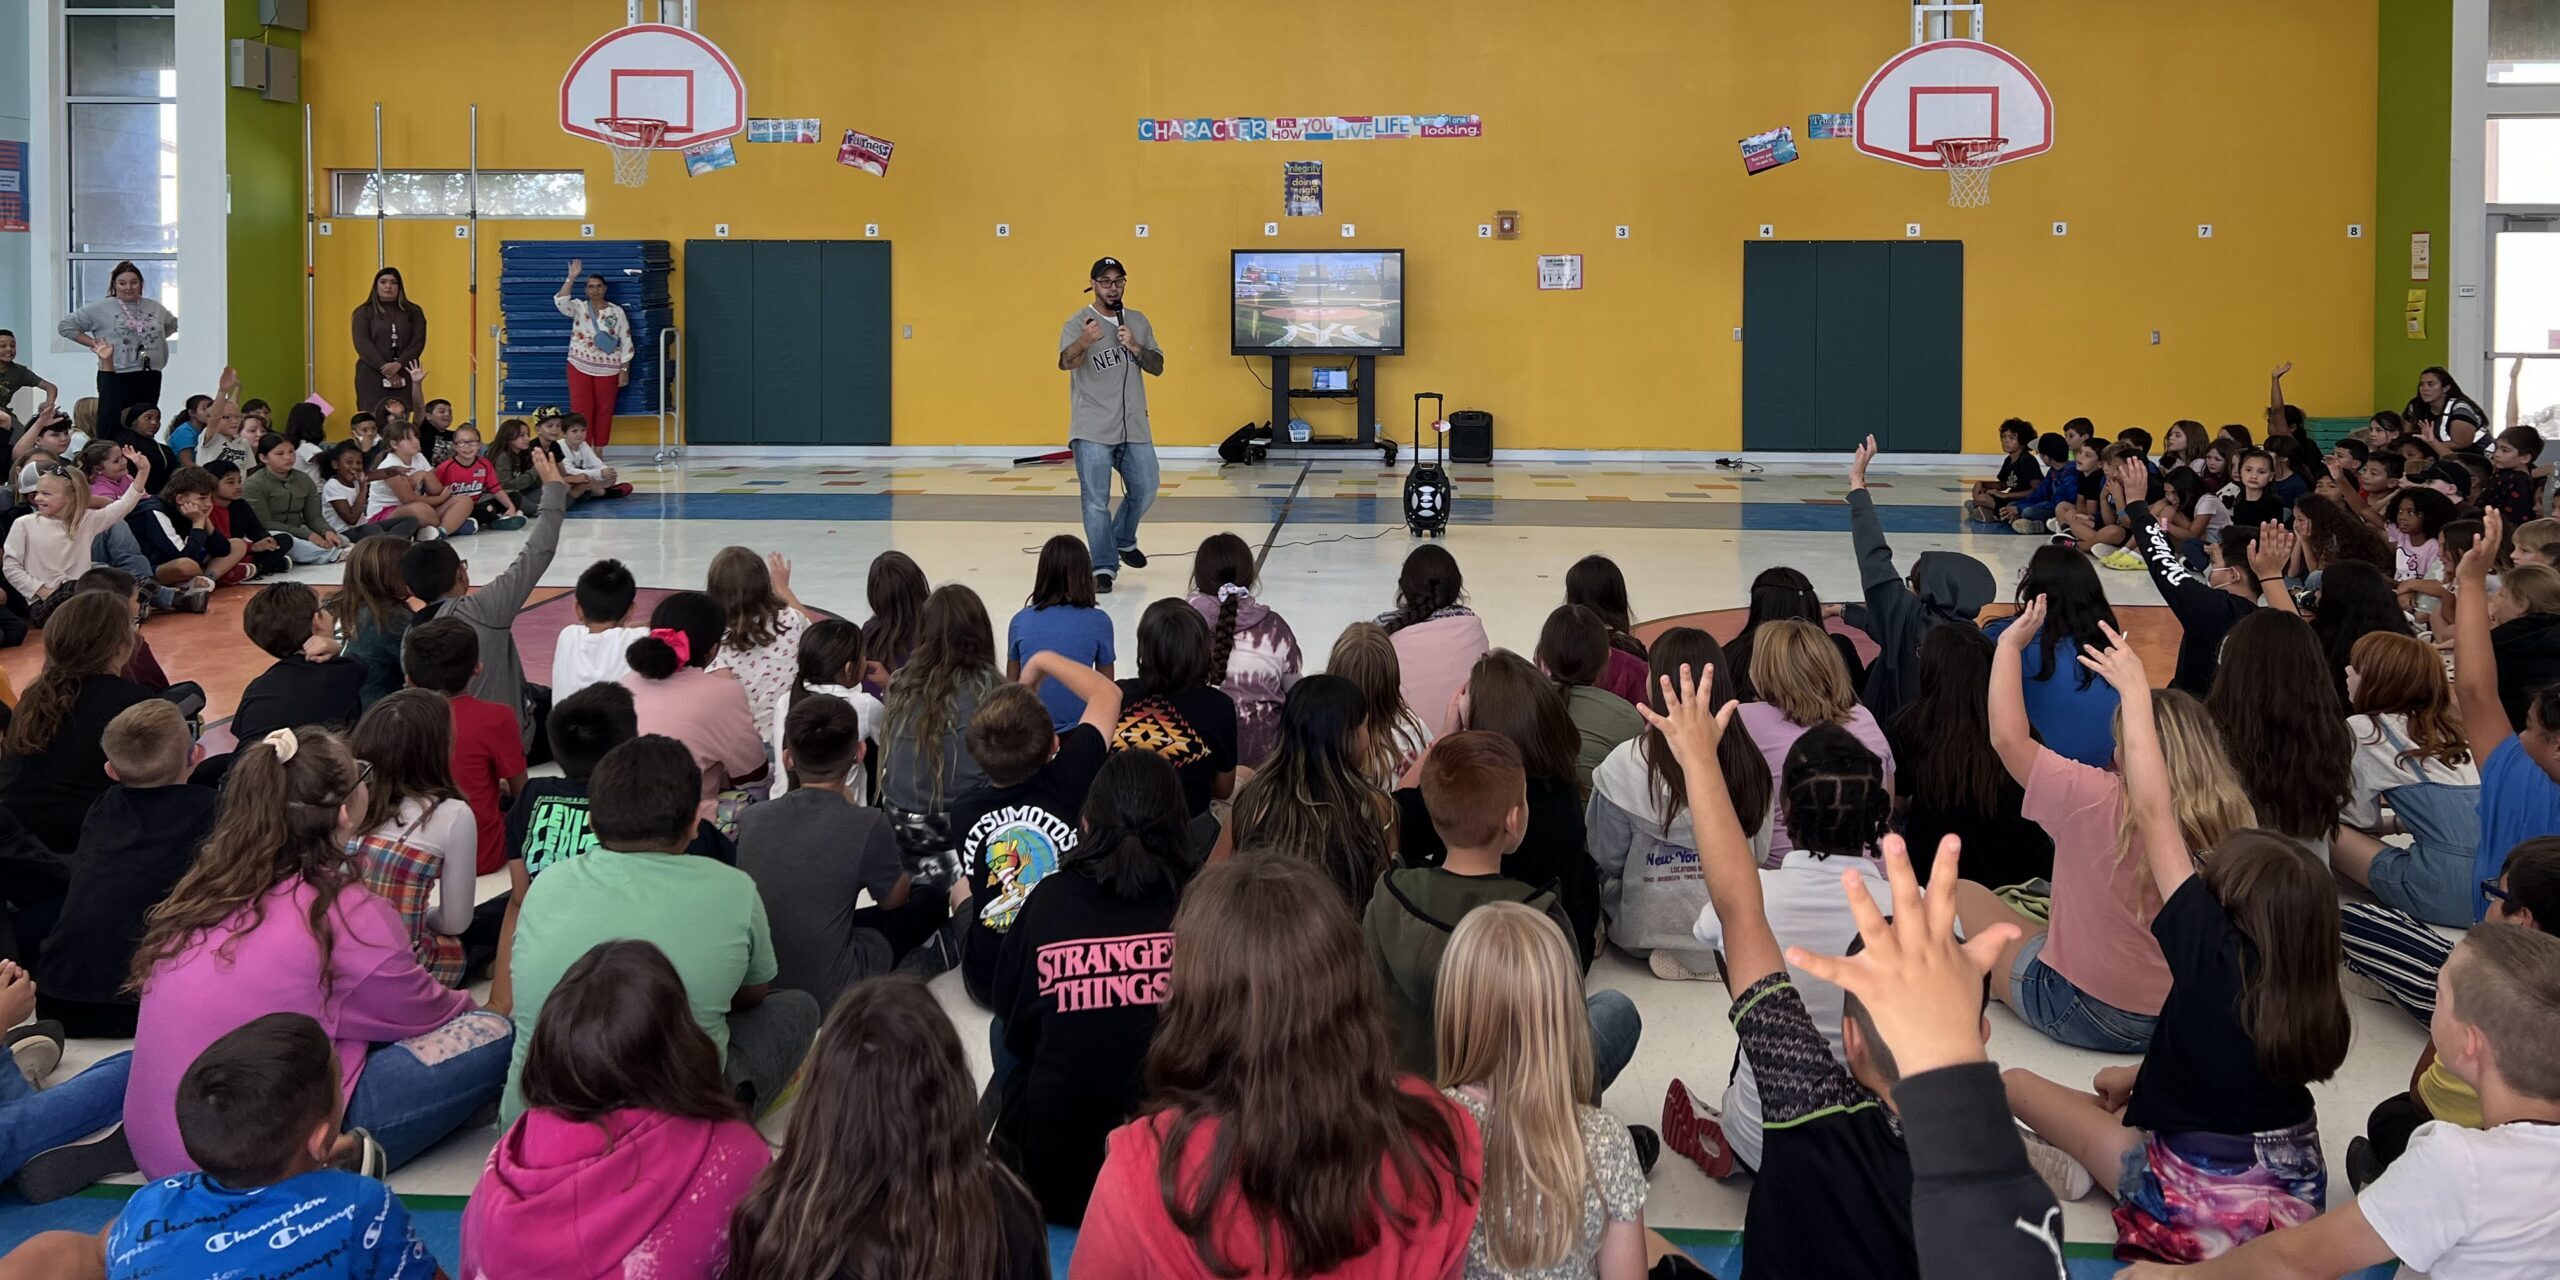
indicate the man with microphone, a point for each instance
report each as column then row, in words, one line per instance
column 1108, row 350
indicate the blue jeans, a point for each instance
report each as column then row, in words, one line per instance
column 117, row 546
column 32, row 1122
column 301, row 550
column 1104, row 535
column 2046, row 1001
column 418, row 1090
column 1615, row 1026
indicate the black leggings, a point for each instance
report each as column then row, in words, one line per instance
column 2390, row 1125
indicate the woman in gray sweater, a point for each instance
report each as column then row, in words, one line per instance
column 131, row 335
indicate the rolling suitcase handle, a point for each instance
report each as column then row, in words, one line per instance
column 1439, row 412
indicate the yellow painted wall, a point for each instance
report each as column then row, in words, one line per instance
column 2257, row 118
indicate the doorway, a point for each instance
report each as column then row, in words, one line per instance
column 1841, row 338
column 786, row 342
column 2524, row 322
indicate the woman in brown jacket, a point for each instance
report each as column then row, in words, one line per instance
column 390, row 336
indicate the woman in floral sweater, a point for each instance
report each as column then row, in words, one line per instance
column 599, row 353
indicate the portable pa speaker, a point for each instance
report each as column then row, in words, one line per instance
column 1471, row 436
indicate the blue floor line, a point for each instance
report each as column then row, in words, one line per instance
column 1241, row 510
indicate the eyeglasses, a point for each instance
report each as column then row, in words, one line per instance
column 2494, row 891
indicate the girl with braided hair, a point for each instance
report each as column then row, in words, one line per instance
column 1253, row 654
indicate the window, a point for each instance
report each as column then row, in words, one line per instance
column 446, row 193
column 121, row 144
column 2524, row 42
column 2524, row 160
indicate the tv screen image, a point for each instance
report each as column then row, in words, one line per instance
column 1349, row 301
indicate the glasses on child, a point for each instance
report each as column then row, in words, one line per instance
column 2494, row 891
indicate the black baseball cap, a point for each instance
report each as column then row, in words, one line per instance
column 2451, row 473
column 1101, row 265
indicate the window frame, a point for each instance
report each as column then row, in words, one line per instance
column 72, row 255
column 345, row 189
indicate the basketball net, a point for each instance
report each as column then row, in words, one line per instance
column 631, row 140
column 1969, row 162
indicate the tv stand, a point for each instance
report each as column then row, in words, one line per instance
column 1363, row 395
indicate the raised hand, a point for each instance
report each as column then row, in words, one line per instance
column 2272, row 553
column 2131, row 478
column 1922, row 986
column 1858, row 460
column 574, row 264
column 2117, row 664
column 1693, row 730
column 2483, row 555
column 545, row 466
column 2025, row 626
column 2282, row 369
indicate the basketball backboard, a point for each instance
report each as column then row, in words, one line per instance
column 659, row 72
column 1953, row 89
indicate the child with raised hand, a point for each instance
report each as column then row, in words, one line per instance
column 2212, row 1141
column 50, row 548
column 2519, row 770
column 1060, row 617
column 1897, row 610
column 1564, row 1184
column 761, row 646
column 629, row 1132
column 2244, row 560
column 2094, row 977
column 2459, row 1201
column 1253, row 655
column 1833, row 1195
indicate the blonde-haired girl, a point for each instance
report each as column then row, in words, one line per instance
column 2094, row 977
column 1564, row 1190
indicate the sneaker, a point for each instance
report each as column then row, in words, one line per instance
column 1102, row 584
column 1648, row 1147
column 2065, row 540
column 2120, row 558
column 1668, row 967
column 2024, row 525
column 2059, row 1171
column 1134, row 558
column 2053, row 524
column 427, row 533
column 73, row 1167
column 1696, row 1131
column 617, row 491
column 367, row 1158
column 37, row 1047
column 2363, row 1166
column 1973, row 513
column 337, row 554
column 469, row 527
column 196, row 598
column 507, row 524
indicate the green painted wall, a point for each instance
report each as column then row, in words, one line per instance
column 2413, row 163
column 265, row 162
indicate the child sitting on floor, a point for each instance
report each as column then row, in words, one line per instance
column 1060, row 617
column 830, row 664
column 488, row 756
column 2212, row 1141
column 467, row 475
column 310, row 682
column 138, row 839
column 591, row 650
column 417, row 841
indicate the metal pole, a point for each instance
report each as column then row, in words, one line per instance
column 474, row 246
column 688, row 15
column 310, row 216
column 666, row 370
column 380, row 197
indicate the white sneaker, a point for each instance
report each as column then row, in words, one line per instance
column 2063, row 1174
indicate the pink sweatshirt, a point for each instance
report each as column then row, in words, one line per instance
column 641, row 1195
column 377, row 994
column 42, row 555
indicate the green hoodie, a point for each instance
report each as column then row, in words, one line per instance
column 1408, row 927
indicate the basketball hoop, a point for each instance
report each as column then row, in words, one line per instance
column 1969, row 162
column 632, row 139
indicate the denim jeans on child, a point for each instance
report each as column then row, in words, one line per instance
column 117, row 546
column 1615, row 1027
column 32, row 1122
column 416, row 1091
column 1105, row 535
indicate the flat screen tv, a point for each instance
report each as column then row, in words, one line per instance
column 1349, row 302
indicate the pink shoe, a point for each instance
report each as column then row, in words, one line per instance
column 1695, row 1131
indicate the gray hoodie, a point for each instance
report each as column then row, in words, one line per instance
column 1651, row 887
column 1953, row 588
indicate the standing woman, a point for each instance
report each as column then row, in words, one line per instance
column 390, row 335
column 131, row 335
column 2441, row 412
column 599, row 353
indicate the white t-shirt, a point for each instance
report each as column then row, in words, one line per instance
column 584, row 657
column 1802, row 897
column 383, row 497
column 304, row 456
column 2471, row 1204
column 866, row 710
column 334, row 491
column 581, row 459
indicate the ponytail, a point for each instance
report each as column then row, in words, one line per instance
column 652, row 658
column 684, row 631
column 1222, row 637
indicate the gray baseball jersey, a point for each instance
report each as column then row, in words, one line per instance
column 1107, row 395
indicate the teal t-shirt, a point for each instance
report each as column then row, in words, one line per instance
column 707, row 917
